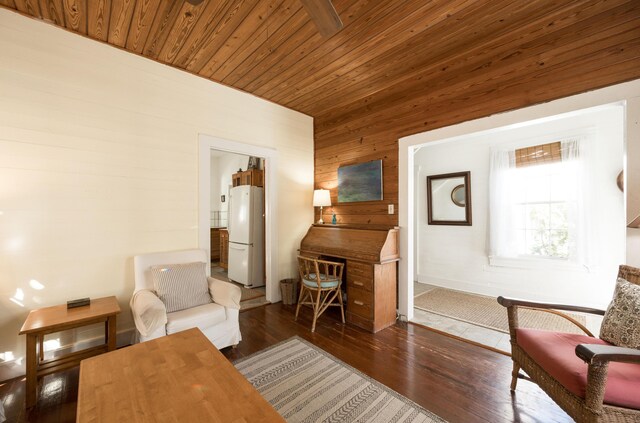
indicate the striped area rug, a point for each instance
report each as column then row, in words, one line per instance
column 307, row 384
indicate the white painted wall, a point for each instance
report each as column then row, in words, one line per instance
column 215, row 185
column 223, row 165
column 99, row 162
column 456, row 256
column 632, row 179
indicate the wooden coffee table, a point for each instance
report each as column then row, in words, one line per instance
column 176, row 378
column 56, row 319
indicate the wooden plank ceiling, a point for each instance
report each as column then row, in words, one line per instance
column 396, row 68
column 389, row 50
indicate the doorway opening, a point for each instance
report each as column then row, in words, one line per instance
column 453, row 264
column 237, row 224
column 232, row 173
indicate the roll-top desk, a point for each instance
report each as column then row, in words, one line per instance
column 371, row 254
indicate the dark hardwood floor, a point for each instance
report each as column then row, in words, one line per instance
column 456, row 380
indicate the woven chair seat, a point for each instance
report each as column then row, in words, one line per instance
column 325, row 282
column 555, row 353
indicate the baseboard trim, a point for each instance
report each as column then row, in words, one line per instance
column 468, row 341
column 472, row 288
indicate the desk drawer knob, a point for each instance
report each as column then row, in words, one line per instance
column 360, row 303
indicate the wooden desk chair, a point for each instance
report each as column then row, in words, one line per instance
column 592, row 379
column 322, row 279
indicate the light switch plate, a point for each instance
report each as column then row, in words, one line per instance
column 390, row 208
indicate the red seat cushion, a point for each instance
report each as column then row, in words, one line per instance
column 555, row 353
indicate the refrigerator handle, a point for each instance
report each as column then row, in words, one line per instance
column 232, row 246
column 237, row 246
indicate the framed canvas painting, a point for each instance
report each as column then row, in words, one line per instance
column 360, row 182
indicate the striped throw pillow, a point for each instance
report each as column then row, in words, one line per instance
column 181, row 286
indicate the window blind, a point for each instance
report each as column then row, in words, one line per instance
column 539, row 154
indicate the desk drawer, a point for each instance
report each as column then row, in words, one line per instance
column 360, row 282
column 360, row 275
column 360, row 302
column 358, row 268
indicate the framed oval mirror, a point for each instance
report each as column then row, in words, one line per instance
column 449, row 199
column 458, row 196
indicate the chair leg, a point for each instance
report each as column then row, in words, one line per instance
column 341, row 304
column 316, row 308
column 514, row 376
column 299, row 301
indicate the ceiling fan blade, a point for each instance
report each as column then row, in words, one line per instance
column 324, row 15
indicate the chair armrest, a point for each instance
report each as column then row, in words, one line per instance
column 149, row 312
column 510, row 302
column 225, row 293
column 593, row 354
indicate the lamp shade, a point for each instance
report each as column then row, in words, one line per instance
column 321, row 197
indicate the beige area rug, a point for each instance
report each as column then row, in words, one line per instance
column 252, row 298
column 250, row 294
column 249, row 298
column 306, row 384
column 485, row 311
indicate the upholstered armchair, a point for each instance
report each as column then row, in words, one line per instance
column 172, row 294
column 592, row 379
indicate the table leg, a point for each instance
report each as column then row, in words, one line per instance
column 32, row 369
column 40, row 349
column 110, row 333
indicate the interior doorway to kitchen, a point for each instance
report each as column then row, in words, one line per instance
column 232, row 159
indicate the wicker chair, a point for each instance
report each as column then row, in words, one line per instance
column 320, row 286
column 591, row 407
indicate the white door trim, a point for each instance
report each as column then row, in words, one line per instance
column 626, row 92
column 206, row 143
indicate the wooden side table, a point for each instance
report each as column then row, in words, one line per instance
column 47, row 320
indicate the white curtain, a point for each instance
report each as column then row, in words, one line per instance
column 504, row 189
column 576, row 154
column 501, row 239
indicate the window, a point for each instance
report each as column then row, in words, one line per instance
column 536, row 203
column 541, row 209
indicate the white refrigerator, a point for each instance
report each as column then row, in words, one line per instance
column 246, row 235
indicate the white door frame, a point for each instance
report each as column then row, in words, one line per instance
column 206, row 143
column 405, row 220
column 628, row 92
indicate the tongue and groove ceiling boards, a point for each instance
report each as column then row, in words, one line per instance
column 396, row 67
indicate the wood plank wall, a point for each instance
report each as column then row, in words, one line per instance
column 588, row 53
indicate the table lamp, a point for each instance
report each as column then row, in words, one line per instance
column 321, row 198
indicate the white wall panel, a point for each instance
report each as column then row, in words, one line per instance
column 456, row 257
column 99, row 162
